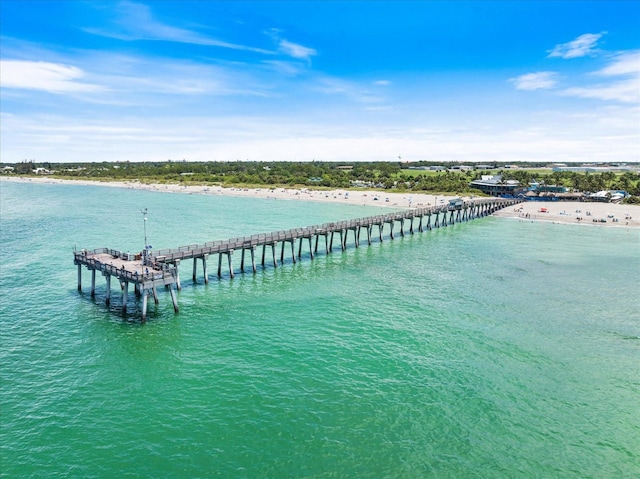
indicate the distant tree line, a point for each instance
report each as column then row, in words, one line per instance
column 379, row 175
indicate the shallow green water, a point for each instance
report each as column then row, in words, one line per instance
column 494, row 348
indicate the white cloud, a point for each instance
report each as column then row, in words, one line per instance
column 624, row 63
column 624, row 87
column 46, row 76
column 580, row 47
column 352, row 90
column 382, row 83
column 288, row 48
column 296, row 51
column 124, row 80
column 285, row 68
column 535, row 81
column 626, row 91
column 136, row 22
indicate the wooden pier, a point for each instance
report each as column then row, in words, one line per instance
column 150, row 270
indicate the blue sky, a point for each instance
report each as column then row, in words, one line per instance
column 326, row 80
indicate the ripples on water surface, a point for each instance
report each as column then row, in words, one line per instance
column 493, row 348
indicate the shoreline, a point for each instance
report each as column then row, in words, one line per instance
column 594, row 214
column 560, row 212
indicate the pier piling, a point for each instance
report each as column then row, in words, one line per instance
column 125, row 293
column 108, row 298
column 204, row 268
column 93, row 283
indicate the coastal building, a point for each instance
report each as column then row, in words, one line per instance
column 542, row 188
column 617, row 167
column 608, row 196
column 494, row 185
column 593, row 168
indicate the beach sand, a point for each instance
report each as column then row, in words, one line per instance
column 575, row 212
column 566, row 212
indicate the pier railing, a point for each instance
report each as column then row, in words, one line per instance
column 224, row 246
column 163, row 271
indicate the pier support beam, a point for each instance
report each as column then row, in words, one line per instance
column 178, row 285
column 93, row 283
column 108, row 278
column 301, row 240
column 282, row 251
column 173, row 298
column 229, row 254
column 253, row 259
column 326, row 242
column 273, row 251
column 195, row 267
column 79, row 277
column 252, row 250
column 356, row 236
column 204, row 269
column 125, row 293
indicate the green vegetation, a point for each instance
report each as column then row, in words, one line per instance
column 378, row 175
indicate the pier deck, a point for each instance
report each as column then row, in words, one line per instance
column 160, row 267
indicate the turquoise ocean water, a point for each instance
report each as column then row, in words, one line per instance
column 490, row 349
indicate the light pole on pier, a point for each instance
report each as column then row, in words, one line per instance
column 146, row 246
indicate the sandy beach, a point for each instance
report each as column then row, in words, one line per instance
column 565, row 212
column 575, row 212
